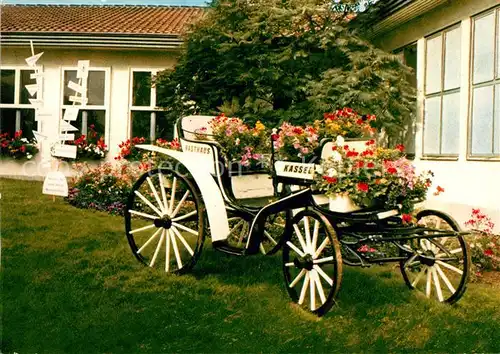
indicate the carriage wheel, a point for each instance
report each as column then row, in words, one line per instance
column 439, row 266
column 164, row 221
column 274, row 228
column 312, row 264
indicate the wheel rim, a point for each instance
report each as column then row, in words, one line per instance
column 164, row 221
column 438, row 267
column 312, row 263
column 239, row 225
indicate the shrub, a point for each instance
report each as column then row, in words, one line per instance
column 484, row 245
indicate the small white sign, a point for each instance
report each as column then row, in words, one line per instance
column 77, row 99
column 55, row 184
column 71, row 113
column 66, row 127
column 75, row 87
column 61, row 150
column 66, row 137
column 42, row 114
column 32, row 89
column 83, row 69
column 295, row 169
column 39, row 137
column 38, row 103
column 33, row 59
column 36, row 76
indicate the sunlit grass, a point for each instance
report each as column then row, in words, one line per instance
column 71, row 284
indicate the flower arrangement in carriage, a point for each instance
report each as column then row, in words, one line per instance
column 297, row 144
column 373, row 177
column 245, row 148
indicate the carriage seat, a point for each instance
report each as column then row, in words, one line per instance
column 192, row 125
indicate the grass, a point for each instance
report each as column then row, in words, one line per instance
column 71, row 284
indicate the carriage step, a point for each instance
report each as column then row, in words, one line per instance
column 223, row 246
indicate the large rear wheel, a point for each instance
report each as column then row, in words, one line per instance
column 164, row 221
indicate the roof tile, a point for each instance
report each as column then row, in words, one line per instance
column 97, row 19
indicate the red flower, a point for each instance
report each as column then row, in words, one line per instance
column 360, row 121
column 23, row 148
column 407, row 218
column 330, row 179
column 370, row 165
column 334, row 147
column 274, row 137
column 400, row 147
column 392, row 170
column 370, row 142
column 360, row 164
column 346, row 147
column 352, row 154
column 475, row 211
column 18, row 134
column 298, row 130
column 363, row 187
column 439, row 190
column 488, row 252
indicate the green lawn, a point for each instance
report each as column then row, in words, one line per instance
column 71, row 284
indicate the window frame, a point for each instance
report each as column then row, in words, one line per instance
column 107, row 97
column 441, row 93
column 491, row 83
column 17, row 92
column 152, row 108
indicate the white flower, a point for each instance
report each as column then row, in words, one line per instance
column 237, row 142
column 24, row 140
column 340, row 140
column 332, row 172
column 336, row 156
column 29, row 156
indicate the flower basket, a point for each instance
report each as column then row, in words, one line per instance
column 342, row 203
column 358, row 145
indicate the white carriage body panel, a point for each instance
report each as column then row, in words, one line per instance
column 192, row 124
column 202, row 154
column 210, row 192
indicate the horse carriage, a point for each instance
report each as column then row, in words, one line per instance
column 174, row 207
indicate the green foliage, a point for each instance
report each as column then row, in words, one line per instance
column 278, row 60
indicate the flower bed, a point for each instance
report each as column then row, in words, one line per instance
column 17, row 148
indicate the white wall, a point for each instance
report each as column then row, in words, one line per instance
column 468, row 184
column 53, row 60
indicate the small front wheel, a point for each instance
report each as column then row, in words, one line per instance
column 312, row 263
column 164, row 221
column 437, row 266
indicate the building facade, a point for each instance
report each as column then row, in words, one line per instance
column 454, row 46
column 126, row 46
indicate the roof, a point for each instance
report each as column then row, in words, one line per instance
column 117, row 26
column 97, row 19
column 386, row 15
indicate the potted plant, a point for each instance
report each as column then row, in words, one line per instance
column 90, row 146
column 374, row 176
column 296, row 144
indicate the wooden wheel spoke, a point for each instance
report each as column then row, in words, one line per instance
column 295, row 248
column 142, row 229
column 437, row 284
column 323, row 274
column 418, row 277
column 148, row 203
column 149, row 240
column 297, row 278
column 324, row 260
column 163, row 192
column 155, row 194
column 185, row 216
column 312, row 290
column 144, row 215
column 153, row 260
column 172, row 196
column 445, row 279
column 270, row 238
column 449, row 266
column 319, row 287
column 304, row 289
column 185, row 228
column 321, row 247
column 308, row 240
column 300, row 237
column 183, row 240
column 167, row 253
column 181, row 202
column 176, row 250
column 428, row 283
column 315, row 236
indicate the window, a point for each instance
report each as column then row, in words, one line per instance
column 146, row 120
column 484, row 128
column 16, row 111
column 96, row 111
column 442, row 94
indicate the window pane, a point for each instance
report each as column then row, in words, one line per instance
column 482, row 121
column 451, row 123
column 433, row 65
column 96, row 87
column 69, row 75
column 7, row 78
column 8, row 121
column 432, row 125
column 484, row 44
column 96, row 83
column 164, row 126
column 28, row 123
column 141, row 124
column 24, row 95
column 496, row 147
column 95, row 117
column 452, row 59
column 141, row 88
